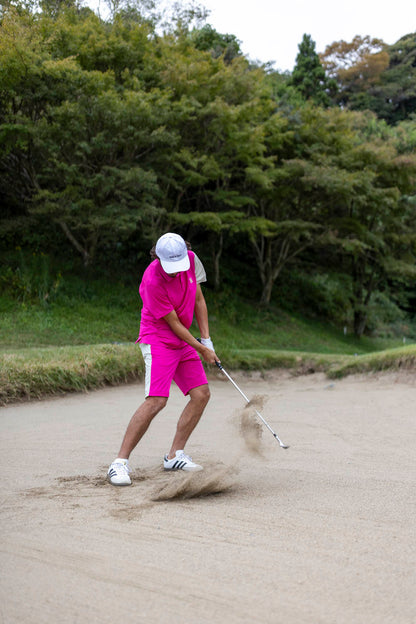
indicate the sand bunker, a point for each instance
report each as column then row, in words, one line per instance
column 323, row 532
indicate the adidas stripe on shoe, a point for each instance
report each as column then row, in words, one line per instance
column 181, row 462
column 118, row 472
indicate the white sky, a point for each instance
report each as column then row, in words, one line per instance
column 271, row 30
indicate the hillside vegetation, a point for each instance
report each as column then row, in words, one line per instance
column 87, row 341
column 114, row 131
column 296, row 189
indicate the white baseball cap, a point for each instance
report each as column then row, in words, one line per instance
column 172, row 252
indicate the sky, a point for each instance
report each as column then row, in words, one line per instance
column 272, row 30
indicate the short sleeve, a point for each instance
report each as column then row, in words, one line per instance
column 200, row 274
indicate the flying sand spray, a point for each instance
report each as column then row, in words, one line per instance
column 219, row 478
column 285, row 446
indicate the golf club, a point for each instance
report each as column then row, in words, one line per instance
column 248, row 401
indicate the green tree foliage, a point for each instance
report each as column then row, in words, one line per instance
column 222, row 150
column 359, row 184
column 374, row 76
column 113, row 131
column 357, row 68
column 208, row 39
column 309, row 76
column 99, row 182
column 84, row 152
column 337, row 186
column 398, row 89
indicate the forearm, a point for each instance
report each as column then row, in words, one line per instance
column 201, row 315
column 184, row 334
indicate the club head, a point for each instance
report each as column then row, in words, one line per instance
column 284, row 446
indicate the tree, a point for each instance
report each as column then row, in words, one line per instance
column 357, row 68
column 369, row 215
column 208, row 39
column 397, row 92
column 213, row 225
column 23, row 101
column 372, row 75
column 278, row 225
column 83, row 152
column 223, row 106
column 308, row 75
column 54, row 8
column 101, row 154
column 335, row 187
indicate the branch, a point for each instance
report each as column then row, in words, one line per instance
column 75, row 243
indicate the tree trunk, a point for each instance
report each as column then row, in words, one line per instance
column 362, row 285
column 84, row 252
column 216, row 255
column 266, row 293
column 360, row 321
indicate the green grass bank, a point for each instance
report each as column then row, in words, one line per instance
column 85, row 340
column 35, row 373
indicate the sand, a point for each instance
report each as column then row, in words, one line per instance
column 321, row 533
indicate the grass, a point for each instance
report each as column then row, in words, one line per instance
column 97, row 315
column 34, row 373
column 403, row 358
column 85, row 340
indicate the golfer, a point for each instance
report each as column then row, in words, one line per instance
column 171, row 294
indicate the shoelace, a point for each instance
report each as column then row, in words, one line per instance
column 183, row 456
column 121, row 468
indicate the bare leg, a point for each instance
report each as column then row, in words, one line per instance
column 139, row 424
column 189, row 418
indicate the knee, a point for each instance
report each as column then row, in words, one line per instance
column 207, row 394
column 156, row 403
column 201, row 395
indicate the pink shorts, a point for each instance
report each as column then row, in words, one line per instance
column 164, row 365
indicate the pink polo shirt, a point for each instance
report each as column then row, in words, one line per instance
column 161, row 294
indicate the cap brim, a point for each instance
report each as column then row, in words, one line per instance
column 176, row 267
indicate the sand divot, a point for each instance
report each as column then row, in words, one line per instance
column 157, row 485
column 65, row 487
column 178, row 484
column 214, row 479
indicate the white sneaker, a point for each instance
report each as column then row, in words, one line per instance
column 118, row 472
column 181, row 462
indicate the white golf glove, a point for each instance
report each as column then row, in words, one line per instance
column 207, row 342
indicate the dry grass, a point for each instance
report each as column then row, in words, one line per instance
column 34, row 373
column 402, row 358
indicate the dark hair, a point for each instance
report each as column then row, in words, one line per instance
column 153, row 255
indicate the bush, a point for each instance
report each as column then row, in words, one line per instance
column 31, row 279
column 323, row 295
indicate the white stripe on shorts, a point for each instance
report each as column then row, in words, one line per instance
column 147, row 356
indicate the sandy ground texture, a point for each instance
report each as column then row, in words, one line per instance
column 321, row 533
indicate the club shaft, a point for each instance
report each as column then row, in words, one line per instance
column 248, row 401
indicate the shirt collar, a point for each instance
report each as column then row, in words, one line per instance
column 166, row 277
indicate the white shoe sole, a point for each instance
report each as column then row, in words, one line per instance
column 118, row 484
column 185, row 469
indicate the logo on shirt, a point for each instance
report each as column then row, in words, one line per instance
column 191, row 281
